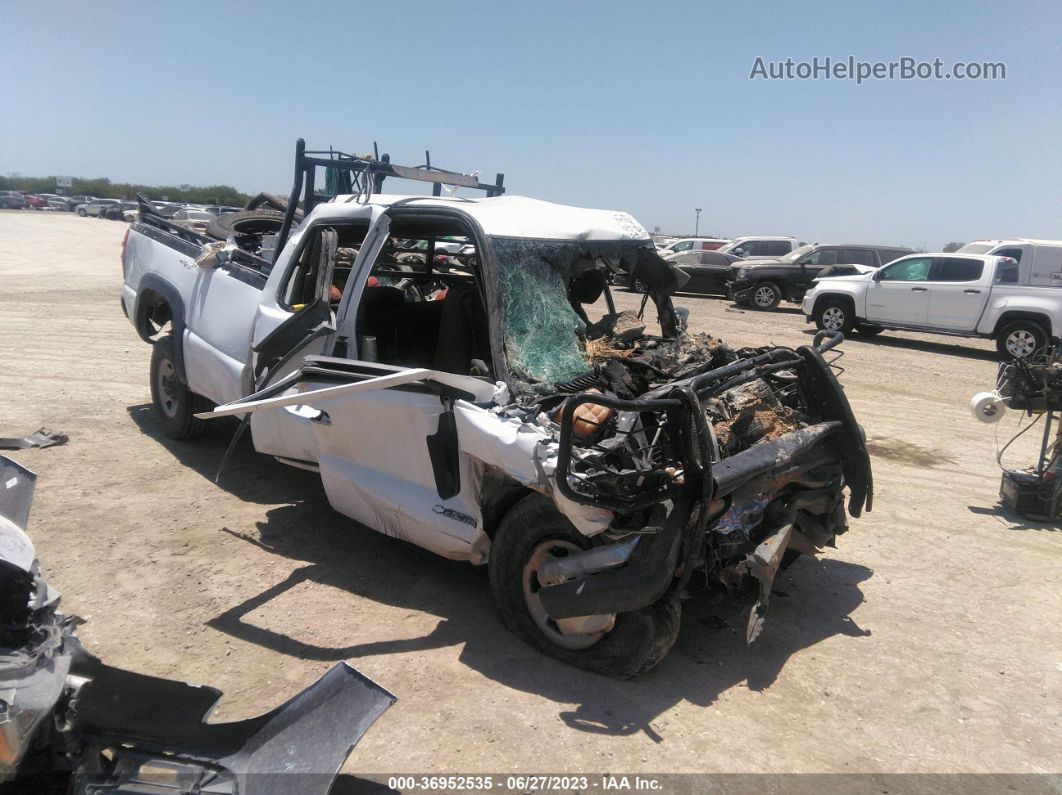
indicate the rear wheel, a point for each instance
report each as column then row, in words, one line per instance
column 766, row 295
column 834, row 315
column 1020, row 339
column 81, row 211
column 175, row 404
column 620, row 645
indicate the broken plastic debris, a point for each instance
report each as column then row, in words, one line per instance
column 39, row 438
column 215, row 254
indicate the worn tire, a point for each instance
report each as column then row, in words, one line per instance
column 174, row 403
column 1020, row 339
column 765, row 295
column 636, row 643
column 832, row 314
column 245, row 222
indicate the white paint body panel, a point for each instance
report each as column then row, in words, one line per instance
column 368, row 438
column 954, row 311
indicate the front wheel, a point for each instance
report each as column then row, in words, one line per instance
column 175, row 404
column 1020, row 339
column 635, row 285
column 82, row 212
column 620, row 645
column 766, row 296
column 833, row 315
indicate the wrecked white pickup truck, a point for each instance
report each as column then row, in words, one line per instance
column 475, row 407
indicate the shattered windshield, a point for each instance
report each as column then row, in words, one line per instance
column 541, row 326
column 544, row 288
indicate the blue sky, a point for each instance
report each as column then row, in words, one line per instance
column 646, row 107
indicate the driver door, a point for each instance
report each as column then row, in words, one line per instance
column 384, row 437
column 899, row 292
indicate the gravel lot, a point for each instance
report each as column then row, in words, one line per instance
column 928, row 641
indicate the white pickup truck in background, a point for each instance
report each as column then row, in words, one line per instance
column 970, row 295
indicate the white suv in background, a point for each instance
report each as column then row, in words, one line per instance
column 757, row 247
column 1039, row 261
column 693, row 244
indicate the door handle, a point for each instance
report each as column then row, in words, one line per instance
column 918, row 289
column 972, row 292
column 322, row 418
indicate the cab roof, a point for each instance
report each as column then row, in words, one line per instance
column 515, row 216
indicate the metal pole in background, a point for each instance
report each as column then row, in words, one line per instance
column 697, row 223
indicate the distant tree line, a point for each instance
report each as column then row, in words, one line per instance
column 103, row 188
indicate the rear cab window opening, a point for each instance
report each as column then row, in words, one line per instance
column 297, row 288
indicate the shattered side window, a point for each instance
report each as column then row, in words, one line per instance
column 540, row 326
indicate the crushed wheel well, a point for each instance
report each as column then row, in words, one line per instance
column 500, row 493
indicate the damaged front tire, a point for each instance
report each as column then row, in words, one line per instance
column 174, row 403
column 620, row 645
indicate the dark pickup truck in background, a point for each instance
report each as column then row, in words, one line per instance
column 764, row 283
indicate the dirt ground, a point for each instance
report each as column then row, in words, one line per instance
column 928, row 641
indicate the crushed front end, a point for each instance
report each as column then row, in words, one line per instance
column 719, row 466
column 720, row 474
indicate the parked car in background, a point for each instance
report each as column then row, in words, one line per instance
column 72, row 202
column 1039, row 261
column 117, row 212
column 221, row 209
column 693, row 243
column 757, row 247
column 12, row 200
column 58, row 203
column 765, row 283
column 191, row 218
column 709, row 271
column 970, row 295
column 50, row 200
column 34, row 201
column 96, row 207
column 167, row 209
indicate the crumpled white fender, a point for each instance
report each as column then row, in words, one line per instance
column 527, row 453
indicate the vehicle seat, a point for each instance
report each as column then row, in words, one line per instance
column 376, row 318
column 463, row 332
